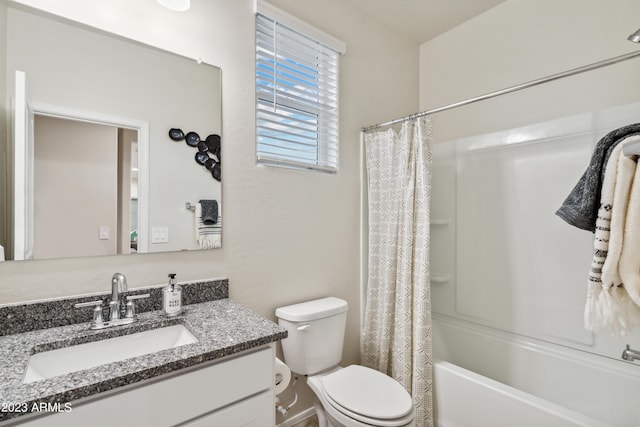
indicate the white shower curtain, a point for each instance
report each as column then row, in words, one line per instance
column 396, row 335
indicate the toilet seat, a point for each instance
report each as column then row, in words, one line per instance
column 368, row 396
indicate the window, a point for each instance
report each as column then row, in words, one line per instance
column 296, row 92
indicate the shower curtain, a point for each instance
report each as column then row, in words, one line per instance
column 396, row 335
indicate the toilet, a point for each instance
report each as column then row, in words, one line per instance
column 353, row 396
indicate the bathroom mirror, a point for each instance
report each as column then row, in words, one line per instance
column 101, row 175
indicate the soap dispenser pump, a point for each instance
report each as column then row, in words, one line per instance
column 172, row 298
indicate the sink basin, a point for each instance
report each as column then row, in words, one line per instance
column 65, row 360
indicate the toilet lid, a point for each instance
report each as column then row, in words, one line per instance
column 367, row 392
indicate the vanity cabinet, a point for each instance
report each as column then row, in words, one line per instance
column 236, row 391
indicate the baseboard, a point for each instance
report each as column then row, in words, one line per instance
column 297, row 418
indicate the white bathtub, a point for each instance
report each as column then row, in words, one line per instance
column 540, row 385
column 466, row 399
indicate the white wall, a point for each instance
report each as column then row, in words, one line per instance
column 288, row 235
column 516, row 42
column 519, row 41
column 76, row 172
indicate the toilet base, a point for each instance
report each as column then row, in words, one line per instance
column 322, row 416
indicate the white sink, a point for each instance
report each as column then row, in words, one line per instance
column 89, row 355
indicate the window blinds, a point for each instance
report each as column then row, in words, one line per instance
column 296, row 98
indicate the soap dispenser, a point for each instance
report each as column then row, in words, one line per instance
column 172, row 297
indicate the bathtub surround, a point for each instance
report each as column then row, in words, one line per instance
column 500, row 192
column 396, row 336
column 544, row 376
column 541, row 42
column 19, row 318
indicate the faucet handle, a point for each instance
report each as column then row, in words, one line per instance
column 131, row 304
column 97, row 311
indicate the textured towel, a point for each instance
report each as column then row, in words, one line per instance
column 625, row 171
column 580, row 208
column 208, row 236
column 209, row 211
column 608, row 306
column 603, row 306
column 627, row 296
column 593, row 315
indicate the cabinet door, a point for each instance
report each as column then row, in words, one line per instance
column 257, row 411
column 174, row 399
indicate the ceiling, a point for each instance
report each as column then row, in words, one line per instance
column 423, row 20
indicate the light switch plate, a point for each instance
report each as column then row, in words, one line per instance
column 104, row 232
column 159, row 234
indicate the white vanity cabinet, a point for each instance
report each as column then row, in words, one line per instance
column 236, row 391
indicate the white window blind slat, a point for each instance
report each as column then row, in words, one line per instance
column 296, row 98
column 292, row 80
column 301, row 95
column 300, row 126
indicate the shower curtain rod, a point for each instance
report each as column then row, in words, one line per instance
column 515, row 88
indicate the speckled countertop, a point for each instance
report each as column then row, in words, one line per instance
column 222, row 328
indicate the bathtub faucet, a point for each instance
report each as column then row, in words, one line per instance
column 630, row 355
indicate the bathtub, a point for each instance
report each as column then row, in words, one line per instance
column 540, row 385
column 465, row 399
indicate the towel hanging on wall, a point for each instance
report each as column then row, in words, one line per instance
column 580, row 208
column 209, row 211
column 604, row 308
column 613, row 298
column 208, row 234
column 627, row 296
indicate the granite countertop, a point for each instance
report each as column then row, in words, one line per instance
column 222, row 328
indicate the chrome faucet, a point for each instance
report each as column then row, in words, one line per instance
column 630, row 355
column 118, row 284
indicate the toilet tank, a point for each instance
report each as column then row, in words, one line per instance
column 316, row 334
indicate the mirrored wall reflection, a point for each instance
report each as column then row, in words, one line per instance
column 88, row 198
column 85, row 189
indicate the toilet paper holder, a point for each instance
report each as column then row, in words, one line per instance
column 282, row 379
column 282, row 376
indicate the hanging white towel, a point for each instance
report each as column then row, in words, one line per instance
column 208, row 236
column 625, row 171
column 627, row 296
column 610, row 306
column 594, row 316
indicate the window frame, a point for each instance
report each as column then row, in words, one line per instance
column 300, row 117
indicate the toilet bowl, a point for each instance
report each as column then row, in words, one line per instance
column 357, row 396
column 354, row 396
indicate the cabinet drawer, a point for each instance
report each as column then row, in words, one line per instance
column 177, row 397
column 256, row 411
